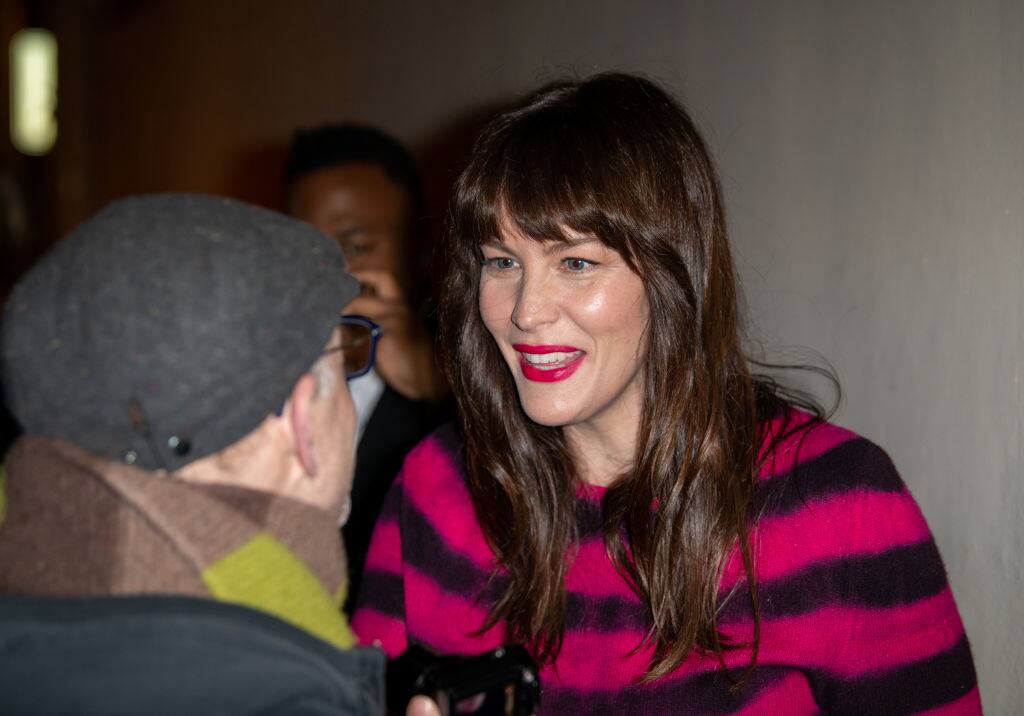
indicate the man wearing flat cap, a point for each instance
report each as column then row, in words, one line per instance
column 168, row 522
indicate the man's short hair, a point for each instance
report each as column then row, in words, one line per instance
column 168, row 326
column 331, row 145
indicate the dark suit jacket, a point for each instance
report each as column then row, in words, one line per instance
column 395, row 427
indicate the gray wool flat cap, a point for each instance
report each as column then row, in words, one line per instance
column 168, row 326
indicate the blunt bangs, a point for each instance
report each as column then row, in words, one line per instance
column 563, row 162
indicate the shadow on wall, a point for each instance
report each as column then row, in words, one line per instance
column 441, row 157
column 256, row 175
column 17, row 252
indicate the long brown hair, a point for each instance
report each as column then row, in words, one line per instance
column 617, row 158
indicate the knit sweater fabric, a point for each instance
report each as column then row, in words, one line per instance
column 856, row 613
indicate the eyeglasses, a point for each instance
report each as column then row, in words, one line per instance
column 359, row 336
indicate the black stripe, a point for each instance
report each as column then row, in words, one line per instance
column 901, row 575
column 705, row 693
column 605, row 614
column 426, row 550
column 896, row 577
column 922, row 685
column 392, row 506
column 383, row 592
column 448, row 441
column 855, row 464
column 446, row 438
column 927, row 684
column 589, row 519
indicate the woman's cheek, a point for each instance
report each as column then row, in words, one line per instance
column 494, row 308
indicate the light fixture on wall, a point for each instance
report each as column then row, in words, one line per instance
column 33, row 62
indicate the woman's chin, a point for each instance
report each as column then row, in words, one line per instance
column 549, row 416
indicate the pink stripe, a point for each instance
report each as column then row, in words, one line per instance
column 386, row 547
column 968, row 704
column 853, row 641
column 370, row 626
column 791, row 695
column 845, row 641
column 460, row 532
column 589, row 573
column 432, row 473
column 801, row 446
column 433, row 468
column 445, row 620
column 438, row 491
column 601, row 661
column 855, row 523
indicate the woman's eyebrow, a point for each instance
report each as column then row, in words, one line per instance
column 494, row 244
column 570, row 242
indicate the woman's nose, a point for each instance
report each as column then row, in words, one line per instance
column 536, row 305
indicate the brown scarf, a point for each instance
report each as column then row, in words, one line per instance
column 79, row 525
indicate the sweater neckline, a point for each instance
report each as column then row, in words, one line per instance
column 590, row 493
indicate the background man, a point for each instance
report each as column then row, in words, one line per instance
column 179, row 371
column 360, row 187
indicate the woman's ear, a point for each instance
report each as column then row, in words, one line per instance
column 300, row 415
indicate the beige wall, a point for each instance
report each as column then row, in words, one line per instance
column 872, row 154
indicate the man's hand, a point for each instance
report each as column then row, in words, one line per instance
column 405, row 353
column 422, row 706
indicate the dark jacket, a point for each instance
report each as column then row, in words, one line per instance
column 173, row 655
column 394, row 428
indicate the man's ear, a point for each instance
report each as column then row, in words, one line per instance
column 300, row 415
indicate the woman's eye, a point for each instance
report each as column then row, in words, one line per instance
column 576, row 265
column 500, row 263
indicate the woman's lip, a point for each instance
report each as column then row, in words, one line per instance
column 550, row 375
column 540, row 350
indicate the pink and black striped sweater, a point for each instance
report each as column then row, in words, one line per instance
column 857, row 615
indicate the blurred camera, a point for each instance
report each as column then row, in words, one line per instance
column 502, row 682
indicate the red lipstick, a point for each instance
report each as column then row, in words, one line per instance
column 548, row 375
column 527, row 348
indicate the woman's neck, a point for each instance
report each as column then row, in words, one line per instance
column 602, row 454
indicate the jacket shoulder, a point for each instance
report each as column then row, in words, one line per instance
column 169, row 655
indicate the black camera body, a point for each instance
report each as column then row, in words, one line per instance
column 502, row 682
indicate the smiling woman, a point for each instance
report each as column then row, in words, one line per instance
column 666, row 531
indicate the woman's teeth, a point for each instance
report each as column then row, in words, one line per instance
column 550, row 360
